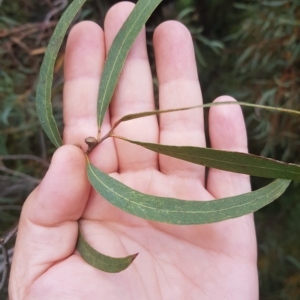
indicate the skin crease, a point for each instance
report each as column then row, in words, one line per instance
column 213, row 261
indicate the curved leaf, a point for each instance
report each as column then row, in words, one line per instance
column 119, row 50
column 158, row 112
column 237, row 162
column 101, row 261
column 43, row 97
column 182, row 212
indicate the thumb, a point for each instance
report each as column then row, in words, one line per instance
column 48, row 225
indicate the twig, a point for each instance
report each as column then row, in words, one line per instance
column 25, row 156
column 14, row 188
column 19, row 174
column 3, row 243
column 10, row 234
column 60, row 5
column 6, row 265
column 10, row 252
column 18, row 41
column 29, row 28
column 10, row 207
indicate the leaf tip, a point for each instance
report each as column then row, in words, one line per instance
column 133, row 257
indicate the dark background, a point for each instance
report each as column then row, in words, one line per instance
column 247, row 49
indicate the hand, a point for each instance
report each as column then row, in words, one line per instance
column 214, row 261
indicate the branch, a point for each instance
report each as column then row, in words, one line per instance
column 3, row 246
column 19, row 174
column 25, row 156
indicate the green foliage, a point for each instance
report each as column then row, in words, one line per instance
column 44, row 87
column 118, row 53
column 278, row 230
column 225, row 160
column 100, row 261
column 271, row 134
column 267, row 70
column 160, row 209
column 181, row 212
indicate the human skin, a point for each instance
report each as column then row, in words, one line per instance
column 212, row 261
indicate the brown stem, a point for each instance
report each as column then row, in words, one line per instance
column 93, row 143
column 99, row 134
column 92, row 146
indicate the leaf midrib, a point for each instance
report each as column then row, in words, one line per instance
column 117, row 57
column 233, row 163
column 190, row 212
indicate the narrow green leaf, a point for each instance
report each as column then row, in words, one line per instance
column 119, row 50
column 157, row 112
column 43, row 97
column 243, row 57
column 101, row 261
column 182, row 212
column 236, row 162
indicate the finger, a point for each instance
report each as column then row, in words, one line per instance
column 178, row 87
column 227, row 132
column 84, row 62
column 134, row 93
column 48, row 226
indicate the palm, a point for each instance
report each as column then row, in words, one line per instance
column 214, row 261
column 174, row 262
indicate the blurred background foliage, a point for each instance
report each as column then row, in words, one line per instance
column 247, row 49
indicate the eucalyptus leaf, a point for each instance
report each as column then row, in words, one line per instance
column 158, row 112
column 182, row 212
column 100, row 261
column 236, row 162
column 43, row 97
column 118, row 53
